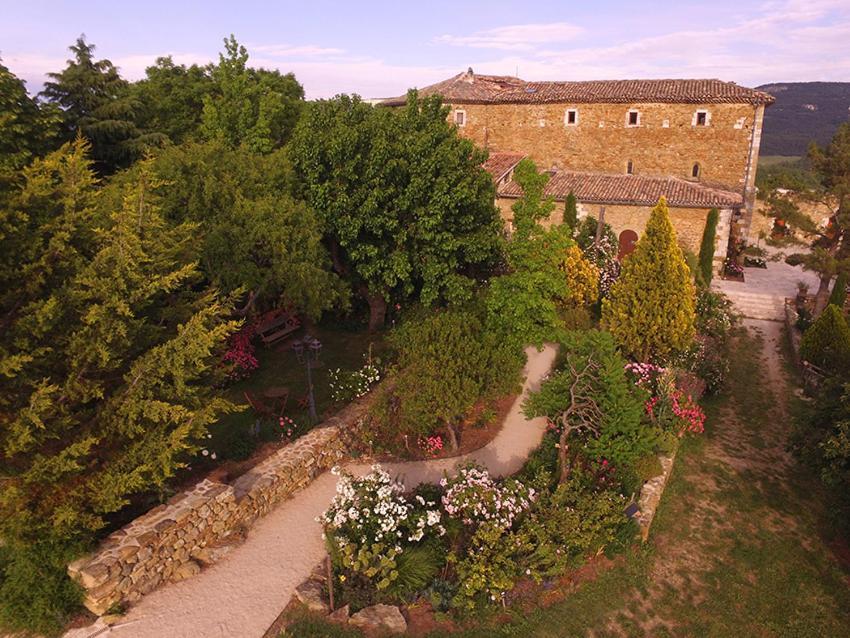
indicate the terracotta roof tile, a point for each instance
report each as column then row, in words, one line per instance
column 605, row 188
column 499, row 164
column 469, row 88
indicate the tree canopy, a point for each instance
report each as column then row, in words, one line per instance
column 251, row 107
column 406, row 209
column 108, row 352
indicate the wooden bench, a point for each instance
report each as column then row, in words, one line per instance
column 277, row 324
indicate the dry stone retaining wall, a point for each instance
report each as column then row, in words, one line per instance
column 168, row 542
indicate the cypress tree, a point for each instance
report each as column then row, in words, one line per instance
column 839, row 291
column 571, row 212
column 826, row 343
column 706, row 248
column 651, row 308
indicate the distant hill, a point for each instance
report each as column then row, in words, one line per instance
column 803, row 111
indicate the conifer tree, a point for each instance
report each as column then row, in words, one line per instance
column 571, row 212
column 96, row 104
column 108, row 352
column 706, row 248
column 826, row 343
column 651, row 308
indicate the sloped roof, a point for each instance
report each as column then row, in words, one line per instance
column 608, row 188
column 499, row 164
column 470, row 88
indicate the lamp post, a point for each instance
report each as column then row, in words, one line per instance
column 307, row 351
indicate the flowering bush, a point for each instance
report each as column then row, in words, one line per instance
column 289, row 429
column 431, row 445
column 475, row 497
column 706, row 359
column 715, row 316
column 668, row 405
column 347, row 386
column 240, row 354
column 369, row 524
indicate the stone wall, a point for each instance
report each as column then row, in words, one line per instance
column 665, row 143
column 170, row 541
column 689, row 223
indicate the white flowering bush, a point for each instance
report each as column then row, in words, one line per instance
column 370, row 523
column 347, row 386
column 475, row 497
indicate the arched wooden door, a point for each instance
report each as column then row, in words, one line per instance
column 628, row 239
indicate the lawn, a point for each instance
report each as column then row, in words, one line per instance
column 233, row 436
column 740, row 544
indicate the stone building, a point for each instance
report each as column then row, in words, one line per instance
column 620, row 145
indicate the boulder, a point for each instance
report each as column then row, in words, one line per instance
column 340, row 615
column 311, row 595
column 378, row 619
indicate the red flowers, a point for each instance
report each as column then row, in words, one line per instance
column 240, row 353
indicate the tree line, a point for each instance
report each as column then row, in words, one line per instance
column 142, row 222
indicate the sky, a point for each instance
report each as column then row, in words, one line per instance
column 380, row 49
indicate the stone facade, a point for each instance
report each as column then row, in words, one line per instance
column 666, row 142
column 689, row 223
column 168, row 542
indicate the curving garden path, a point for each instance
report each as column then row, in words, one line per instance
column 241, row 596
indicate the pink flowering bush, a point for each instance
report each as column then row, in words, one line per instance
column 240, row 355
column 668, row 405
column 431, row 445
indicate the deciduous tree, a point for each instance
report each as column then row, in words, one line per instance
column 407, row 210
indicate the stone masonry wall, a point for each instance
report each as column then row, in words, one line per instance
column 665, row 143
column 168, row 542
column 689, row 223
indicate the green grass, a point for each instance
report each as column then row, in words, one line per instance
column 279, row 367
column 778, row 160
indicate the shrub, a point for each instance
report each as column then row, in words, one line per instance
column 621, row 437
column 571, row 524
column 582, row 278
column 369, row 524
column 826, row 343
column 347, row 386
column 571, row 212
column 706, row 358
column 446, row 363
column 715, row 316
column 35, row 591
column 650, row 310
column 474, row 497
column 669, row 406
column 706, row 248
column 586, row 236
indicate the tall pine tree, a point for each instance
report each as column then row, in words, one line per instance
column 651, row 308
column 97, row 105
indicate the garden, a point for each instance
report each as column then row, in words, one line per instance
column 620, row 395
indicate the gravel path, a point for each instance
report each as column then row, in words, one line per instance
column 241, row 596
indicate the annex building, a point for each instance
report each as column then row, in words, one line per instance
column 619, row 145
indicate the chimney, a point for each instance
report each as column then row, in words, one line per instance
column 469, row 76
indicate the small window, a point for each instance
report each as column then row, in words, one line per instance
column 695, row 171
column 634, row 118
column 460, row 118
column 701, row 118
column 630, row 167
column 571, row 117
